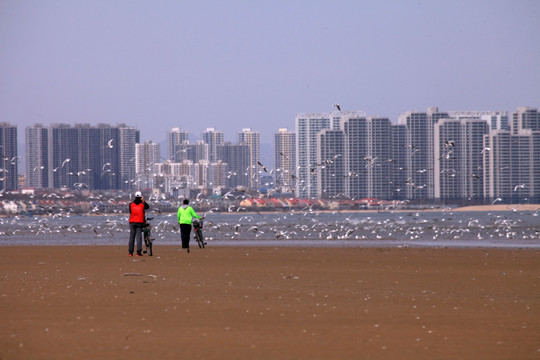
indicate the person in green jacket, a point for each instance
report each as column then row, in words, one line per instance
column 185, row 216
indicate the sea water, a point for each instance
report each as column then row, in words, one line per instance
column 509, row 229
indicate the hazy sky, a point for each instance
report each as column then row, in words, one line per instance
column 236, row 64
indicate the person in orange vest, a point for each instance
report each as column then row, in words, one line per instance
column 137, row 220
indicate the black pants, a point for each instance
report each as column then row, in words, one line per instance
column 185, row 232
column 135, row 232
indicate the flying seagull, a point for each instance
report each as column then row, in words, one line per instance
column 109, row 144
column 264, row 167
column 337, row 106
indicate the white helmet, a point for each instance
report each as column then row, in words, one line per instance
column 138, row 194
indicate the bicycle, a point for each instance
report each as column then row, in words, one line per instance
column 147, row 235
column 197, row 231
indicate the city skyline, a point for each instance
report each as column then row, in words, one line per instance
column 237, row 64
column 445, row 155
column 267, row 155
column 267, row 149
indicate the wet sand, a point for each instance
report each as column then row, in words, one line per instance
column 84, row 302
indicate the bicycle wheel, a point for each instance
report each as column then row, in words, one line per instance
column 148, row 245
column 149, row 248
column 199, row 238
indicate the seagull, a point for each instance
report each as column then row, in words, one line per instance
column 449, row 143
column 337, row 106
column 66, row 161
column 80, row 185
column 485, row 149
column 109, row 144
column 494, row 201
column 264, row 167
column 409, row 182
column 370, row 159
column 520, row 186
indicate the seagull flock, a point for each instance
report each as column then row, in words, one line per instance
column 353, row 228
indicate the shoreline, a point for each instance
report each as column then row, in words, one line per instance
column 88, row 302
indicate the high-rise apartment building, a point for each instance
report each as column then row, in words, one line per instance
column 9, row 160
column 176, row 179
column 217, row 174
column 103, row 148
column 417, row 126
column 355, row 157
column 175, row 136
column 379, row 156
column 252, row 140
column 398, row 162
column 448, row 157
column 285, row 160
column 213, row 138
column 146, row 156
column 194, row 152
column 362, row 163
column 512, row 159
column 534, row 169
column 459, row 164
column 525, row 118
column 420, row 151
column 508, row 166
column 330, row 167
column 497, row 120
column 201, row 174
column 128, row 136
column 63, row 155
column 91, row 157
column 472, row 165
column 37, row 157
column 307, row 128
column 237, row 156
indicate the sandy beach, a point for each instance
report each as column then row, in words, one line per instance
column 81, row 302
